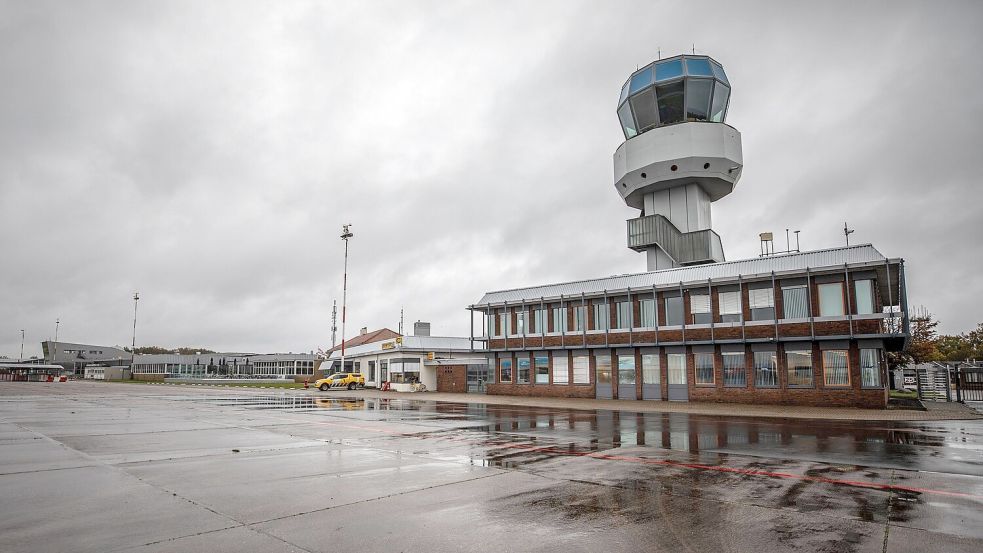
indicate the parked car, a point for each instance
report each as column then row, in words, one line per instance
column 341, row 380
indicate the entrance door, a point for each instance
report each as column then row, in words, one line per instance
column 678, row 391
column 651, row 376
column 626, row 377
column 602, row 371
column 477, row 377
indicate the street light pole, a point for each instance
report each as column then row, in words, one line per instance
column 54, row 353
column 21, row 360
column 345, row 235
column 133, row 345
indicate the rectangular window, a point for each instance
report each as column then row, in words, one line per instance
column 542, row 369
column 505, row 369
column 730, row 307
column 674, row 311
column 561, row 374
column 580, row 318
column 799, row 366
column 523, row 370
column 864, row 292
column 836, row 370
column 870, row 368
column 602, row 366
column 735, row 374
column 704, row 368
column 650, row 368
column 699, row 307
column 560, row 319
column 831, row 300
column 648, row 318
column 765, row 369
column 539, row 321
column 626, row 369
column 761, row 301
column 520, row 323
column 623, row 310
column 676, row 368
column 503, row 324
column 795, row 302
column 581, row 369
column 602, row 316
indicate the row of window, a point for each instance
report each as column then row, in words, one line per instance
column 799, row 369
column 761, row 304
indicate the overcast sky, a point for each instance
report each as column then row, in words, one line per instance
column 207, row 154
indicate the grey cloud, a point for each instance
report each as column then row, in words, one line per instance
column 207, row 154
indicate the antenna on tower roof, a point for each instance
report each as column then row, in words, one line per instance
column 847, row 231
column 694, row 48
column 659, row 52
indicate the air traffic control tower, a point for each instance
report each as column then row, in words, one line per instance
column 678, row 157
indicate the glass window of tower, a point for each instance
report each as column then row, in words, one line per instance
column 670, row 103
column 668, row 70
column 640, row 80
column 699, row 67
column 626, row 121
column 698, row 99
column 718, row 72
column 720, row 95
column 643, row 104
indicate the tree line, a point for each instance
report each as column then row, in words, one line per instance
column 158, row 350
column 928, row 345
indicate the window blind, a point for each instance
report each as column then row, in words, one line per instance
column 730, row 303
column 761, row 298
column 699, row 303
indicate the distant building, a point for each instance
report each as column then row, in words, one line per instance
column 205, row 365
column 76, row 357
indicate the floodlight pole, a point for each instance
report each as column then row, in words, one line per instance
column 54, row 354
column 21, row 360
column 133, row 345
column 345, row 235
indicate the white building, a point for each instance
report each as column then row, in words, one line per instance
column 404, row 359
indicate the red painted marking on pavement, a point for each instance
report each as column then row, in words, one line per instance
column 743, row 471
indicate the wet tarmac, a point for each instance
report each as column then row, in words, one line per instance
column 102, row 467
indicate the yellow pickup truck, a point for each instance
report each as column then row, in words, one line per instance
column 341, row 380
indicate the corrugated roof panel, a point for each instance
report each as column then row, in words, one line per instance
column 863, row 253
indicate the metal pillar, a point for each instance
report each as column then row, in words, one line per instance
column 345, row 235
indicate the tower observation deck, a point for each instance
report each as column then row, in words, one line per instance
column 678, row 157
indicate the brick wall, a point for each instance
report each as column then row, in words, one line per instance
column 452, row 378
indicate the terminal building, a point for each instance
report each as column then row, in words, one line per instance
column 804, row 328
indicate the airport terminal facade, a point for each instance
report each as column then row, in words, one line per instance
column 802, row 328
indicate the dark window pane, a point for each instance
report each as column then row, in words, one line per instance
column 670, row 103
column 702, row 318
column 643, row 104
column 720, row 95
column 674, row 311
column 762, row 313
column 668, row 70
column 627, row 123
column 640, row 80
column 698, row 99
column 718, row 72
column 698, row 66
